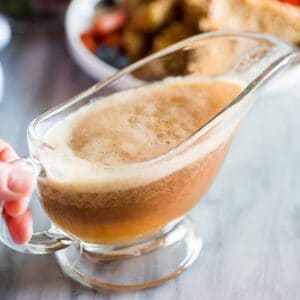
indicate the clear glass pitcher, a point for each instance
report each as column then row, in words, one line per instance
column 129, row 245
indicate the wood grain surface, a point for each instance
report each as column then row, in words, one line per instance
column 249, row 220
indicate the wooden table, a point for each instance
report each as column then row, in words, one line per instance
column 250, row 219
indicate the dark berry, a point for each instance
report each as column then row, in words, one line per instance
column 107, row 53
column 121, row 62
column 108, row 2
column 112, row 56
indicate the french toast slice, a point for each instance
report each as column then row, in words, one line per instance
column 271, row 16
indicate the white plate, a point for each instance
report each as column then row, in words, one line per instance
column 78, row 19
column 1, row 82
column 5, row 36
column 5, row 33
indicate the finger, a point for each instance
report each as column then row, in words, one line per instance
column 17, row 207
column 20, row 228
column 6, row 152
column 15, row 182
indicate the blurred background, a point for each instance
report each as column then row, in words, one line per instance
column 50, row 50
column 106, row 35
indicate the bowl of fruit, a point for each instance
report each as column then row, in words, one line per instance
column 107, row 35
column 94, row 30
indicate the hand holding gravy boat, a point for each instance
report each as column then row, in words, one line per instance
column 119, row 166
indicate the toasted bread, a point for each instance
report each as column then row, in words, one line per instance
column 134, row 43
column 131, row 5
column 148, row 17
column 173, row 33
column 269, row 16
column 193, row 10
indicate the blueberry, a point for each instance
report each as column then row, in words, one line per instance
column 112, row 56
column 107, row 53
column 121, row 62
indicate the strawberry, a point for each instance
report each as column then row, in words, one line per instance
column 89, row 41
column 110, row 22
column 293, row 2
column 113, row 39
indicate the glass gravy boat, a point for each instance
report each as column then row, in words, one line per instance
column 132, row 246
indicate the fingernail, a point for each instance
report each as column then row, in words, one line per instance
column 4, row 154
column 19, row 180
column 16, row 208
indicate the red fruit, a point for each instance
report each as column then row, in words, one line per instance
column 293, row 2
column 113, row 40
column 89, row 41
column 109, row 22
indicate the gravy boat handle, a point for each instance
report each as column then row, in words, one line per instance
column 45, row 242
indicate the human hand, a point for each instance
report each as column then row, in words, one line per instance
column 16, row 186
